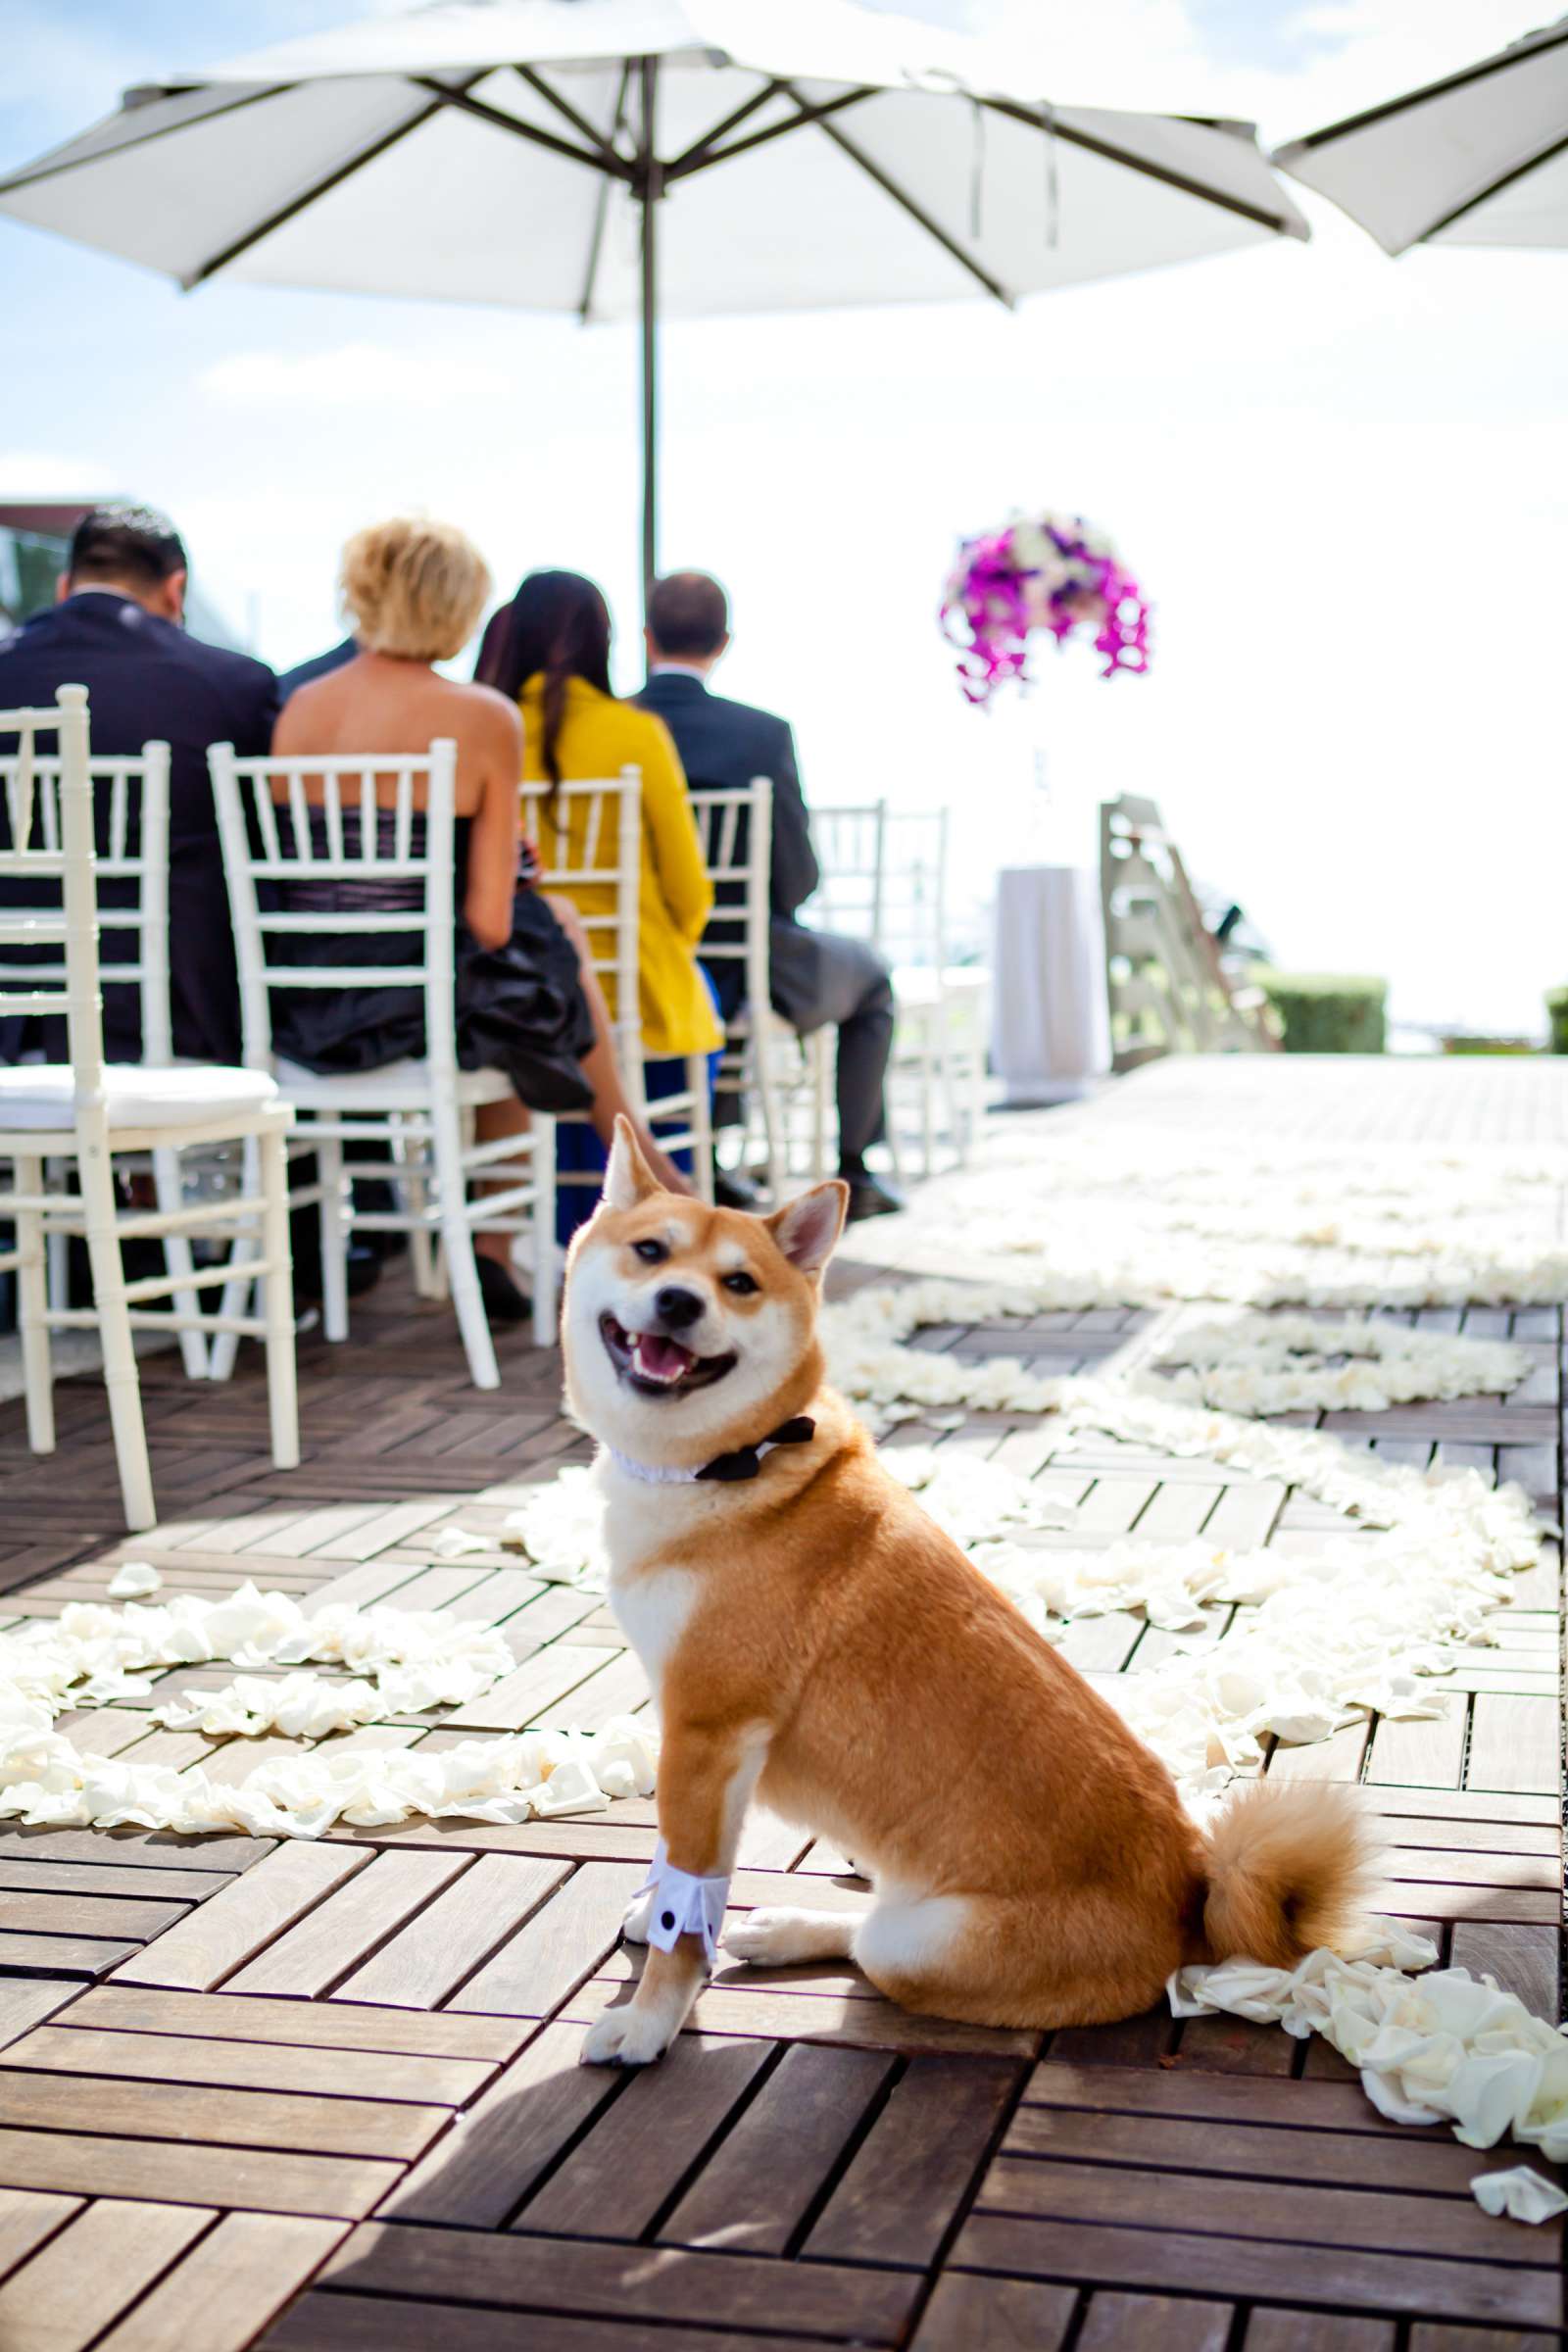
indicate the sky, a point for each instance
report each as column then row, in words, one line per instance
column 1339, row 477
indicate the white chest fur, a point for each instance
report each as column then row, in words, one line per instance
column 652, row 1607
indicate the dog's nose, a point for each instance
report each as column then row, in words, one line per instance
column 677, row 1307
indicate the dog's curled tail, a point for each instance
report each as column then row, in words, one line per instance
column 1287, row 1865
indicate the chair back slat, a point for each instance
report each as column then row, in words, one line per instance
column 851, row 847
column 131, row 801
column 588, row 832
column 326, row 878
column 735, row 827
column 50, row 800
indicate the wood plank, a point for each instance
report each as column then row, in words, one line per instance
column 25, row 2220
column 1118, row 2323
column 1423, row 1752
column 1515, row 1743
column 181, row 2172
column 62, row 1955
column 486, row 2165
column 236, row 1922
column 630, row 2166
column 26, row 2002
column 217, row 1853
column 324, row 1946
column 1494, row 2293
column 518, row 1700
column 237, row 2278
column 85, row 2278
column 1524, row 1959
column 1321, row 2331
column 967, row 2312
column 860, row 2023
column 1172, row 2092
column 917, row 2164
column 333, row 2025
column 254, row 2065
column 755, row 2190
column 1422, row 2165
column 143, row 1882
column 72, row 1914
column 241, row 2119
column 605, row 2282
column 351, row 2322
column 558, row 1948
column 424, row 1962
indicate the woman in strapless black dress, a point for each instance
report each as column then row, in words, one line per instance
column 413, row 592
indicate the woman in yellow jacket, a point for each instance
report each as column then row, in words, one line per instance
column 548, row 651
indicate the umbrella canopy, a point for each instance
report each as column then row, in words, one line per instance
column 1479, row 159
column 644, row 156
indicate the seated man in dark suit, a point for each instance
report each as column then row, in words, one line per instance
column 117, row 630
column 815, row 977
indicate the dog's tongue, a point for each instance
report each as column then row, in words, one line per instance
column 656, row 1358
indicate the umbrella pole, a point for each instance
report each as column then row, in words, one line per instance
column 649, row 190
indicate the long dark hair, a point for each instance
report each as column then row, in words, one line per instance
column 557, row 626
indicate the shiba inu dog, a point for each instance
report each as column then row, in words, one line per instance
column 814, row 1640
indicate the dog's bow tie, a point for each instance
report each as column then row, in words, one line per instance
column 746, row 1460
column 725, row 1468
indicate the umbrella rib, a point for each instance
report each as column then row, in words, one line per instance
column 306, row 196
column 1534, row 163
column 615, row 165
column 1135, row 163
column 602, row 200
column 697, row 157
column 916, row 211
column 686, row 161
column 564, row 108
column 165, row 130
column 1520, row 53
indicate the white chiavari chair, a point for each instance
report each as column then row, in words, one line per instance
column 735, row 827
column 380, row 825
column 588, row 832
column 82, row 1115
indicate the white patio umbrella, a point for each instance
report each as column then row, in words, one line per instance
column 661, row 158
column 1479, row 159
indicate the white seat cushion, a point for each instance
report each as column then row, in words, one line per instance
column 39, row 1096
column 399, row 1086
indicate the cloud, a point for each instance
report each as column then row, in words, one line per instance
column 352, row 375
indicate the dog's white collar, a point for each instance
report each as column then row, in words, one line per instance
column 725, row 1468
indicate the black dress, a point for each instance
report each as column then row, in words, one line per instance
column 521, row 1007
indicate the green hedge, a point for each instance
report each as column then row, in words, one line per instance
column 1557, row 1014
column 1327, row 1013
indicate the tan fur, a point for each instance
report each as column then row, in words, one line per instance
column 829, row 1648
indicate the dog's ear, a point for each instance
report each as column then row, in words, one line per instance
column 628, row 1178
column 808, row 1229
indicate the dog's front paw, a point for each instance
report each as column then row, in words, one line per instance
column 628, row 2036
column 779, row 1935
column 634, row 1927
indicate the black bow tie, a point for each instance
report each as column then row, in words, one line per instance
column 746, row 1460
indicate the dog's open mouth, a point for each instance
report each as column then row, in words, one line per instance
column 656, row 1366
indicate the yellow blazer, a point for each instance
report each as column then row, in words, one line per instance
column 599, row 737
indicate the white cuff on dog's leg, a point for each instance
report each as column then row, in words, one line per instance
column 683, row 1905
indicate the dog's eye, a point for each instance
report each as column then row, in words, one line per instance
column 651, row 1253
column 741, row 1283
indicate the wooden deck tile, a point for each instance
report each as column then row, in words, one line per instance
column 81, row 2281
column 321, row 1948
column 263, row 2066
column 518, row 2273
column 218, row 1938
column 454, row 1934
column 757, row 2187
column 240, row 2119
column 25, row 2220
column 236, row 2279
column 1004, row 2315
column 907, row 2178
column 332, row 2025
column 563, row 1943
column 484, row 2168
column 178, row 2172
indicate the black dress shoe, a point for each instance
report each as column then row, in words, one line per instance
column 870, row 1197
column 503, row 1303
column 731, row 1189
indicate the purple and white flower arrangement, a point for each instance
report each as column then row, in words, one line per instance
column 1048, row 572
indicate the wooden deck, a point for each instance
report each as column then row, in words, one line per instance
column 325, row 2097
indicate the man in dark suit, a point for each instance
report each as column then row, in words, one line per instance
column 116, row 629
column 815, row 977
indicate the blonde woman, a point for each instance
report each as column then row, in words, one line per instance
column 413, row 592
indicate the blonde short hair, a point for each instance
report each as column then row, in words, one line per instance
column 413, row 588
